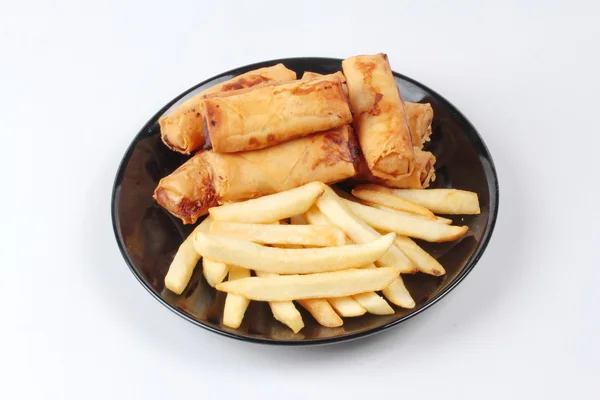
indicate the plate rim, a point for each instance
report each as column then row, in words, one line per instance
column 490, row 172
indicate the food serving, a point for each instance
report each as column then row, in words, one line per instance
column 308, row 192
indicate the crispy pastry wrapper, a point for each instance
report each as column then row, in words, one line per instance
column 182, row 130
column 269, row 115
column 380, row 118
column 312, row 75
column 420, row 117
column 421, row 177
column 210, row 178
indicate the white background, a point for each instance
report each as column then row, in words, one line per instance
column 77, row 81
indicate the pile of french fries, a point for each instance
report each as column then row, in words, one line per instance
column 327, row 250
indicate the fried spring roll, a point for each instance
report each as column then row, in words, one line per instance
column 420, row 117
column 312, row 75
column 274, row 114
column 210, row 178
column 423, row 173
column 182, row 130
column 380, row 118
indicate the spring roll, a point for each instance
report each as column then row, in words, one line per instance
column 274, row 114
column 182, row 130
column 423, row 173
column 308, row 75
column 380, row 118
column 420, row 117
column 210, row 178
column 312, row 75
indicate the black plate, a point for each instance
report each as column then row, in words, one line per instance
column 149, row 236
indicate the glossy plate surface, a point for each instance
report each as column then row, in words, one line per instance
column 149, row 236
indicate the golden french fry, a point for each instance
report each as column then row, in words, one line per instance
column 250, row 255
column 441, row 220
column 312, row 286
column 411, row 226
column 422, row 259
column 286, row 246
column 307, row 235
column 235, row 305
column 214, row 271
column 397, row 293
column 368, row 193
column 370, row 301
column 314, row 216
column 284, row 311
column 186, row 258
column 270, row 208
column 373, row 303
column 338, row 213
column 322, row 312
column 441, row 201
column 346, row 306
column 287, row 313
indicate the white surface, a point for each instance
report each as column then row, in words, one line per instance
column 76, row 84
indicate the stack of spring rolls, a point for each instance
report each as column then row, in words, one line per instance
column 270, row 132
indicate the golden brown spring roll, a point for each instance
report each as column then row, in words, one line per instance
column 312, row 75
column 420, row 117
column 210, row 178
column 380, row 118
column 182, row 130
column 269, row 115
column 423, row 173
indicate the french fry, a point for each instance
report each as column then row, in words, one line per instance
column 346, row 306
column 214, row 271
column 369, row 193
column 250, row 255
column 373, row 303
column 312, row 286
column 397, row 293
column 235, row 304
column 370, row 301
column 422, row 259
column 441, row 220
column 270, row 208
column 284, row 311
column 411, row 226
column 184, row 262
column 322, row 312
column 307, row 235
column 441, row 201
column 314, row 216
column 338, row 213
